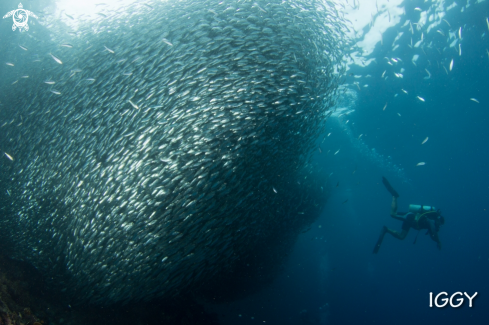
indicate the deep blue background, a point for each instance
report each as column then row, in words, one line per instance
column 334, row 263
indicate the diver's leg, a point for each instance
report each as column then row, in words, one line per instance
column 399, row 235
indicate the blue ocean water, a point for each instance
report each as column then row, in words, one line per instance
column 332, row 277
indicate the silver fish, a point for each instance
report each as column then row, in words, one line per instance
column 56, row 59
column 154, row 173
column 109, row 50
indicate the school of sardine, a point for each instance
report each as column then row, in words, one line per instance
column 149, row 151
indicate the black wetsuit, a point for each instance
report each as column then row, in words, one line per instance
column 423, row 223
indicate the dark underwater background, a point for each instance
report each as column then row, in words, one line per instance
column 331, row 275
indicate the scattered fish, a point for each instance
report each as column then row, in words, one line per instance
column 166, row 41
column 263, row 10
column 134, row 105
column 274, row 190
column 10, row 64
column 424, row 141
column 384, row 107
column 67, row 45
column 474, row 100
column 56, row 92
column 109, row 49
column 421, row 163
column 420, row 98
column 9, row 156
column 56, row 59
column 22, row 47
column 451, row 65
column 336, row 152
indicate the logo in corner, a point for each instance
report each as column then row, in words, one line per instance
column 20, row 17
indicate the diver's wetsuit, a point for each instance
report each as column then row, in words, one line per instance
column 424, row 223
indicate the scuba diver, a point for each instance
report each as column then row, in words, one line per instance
column 419, row 217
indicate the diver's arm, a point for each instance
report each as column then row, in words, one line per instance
column 434, row 233
column 437, row 239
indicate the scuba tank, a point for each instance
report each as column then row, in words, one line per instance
column 415, row 208
column 420, row 210
column 427, row 211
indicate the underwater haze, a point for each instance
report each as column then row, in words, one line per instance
column 235, row 150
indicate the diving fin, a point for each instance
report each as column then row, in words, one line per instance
column 379, row 241
column 389, row 187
